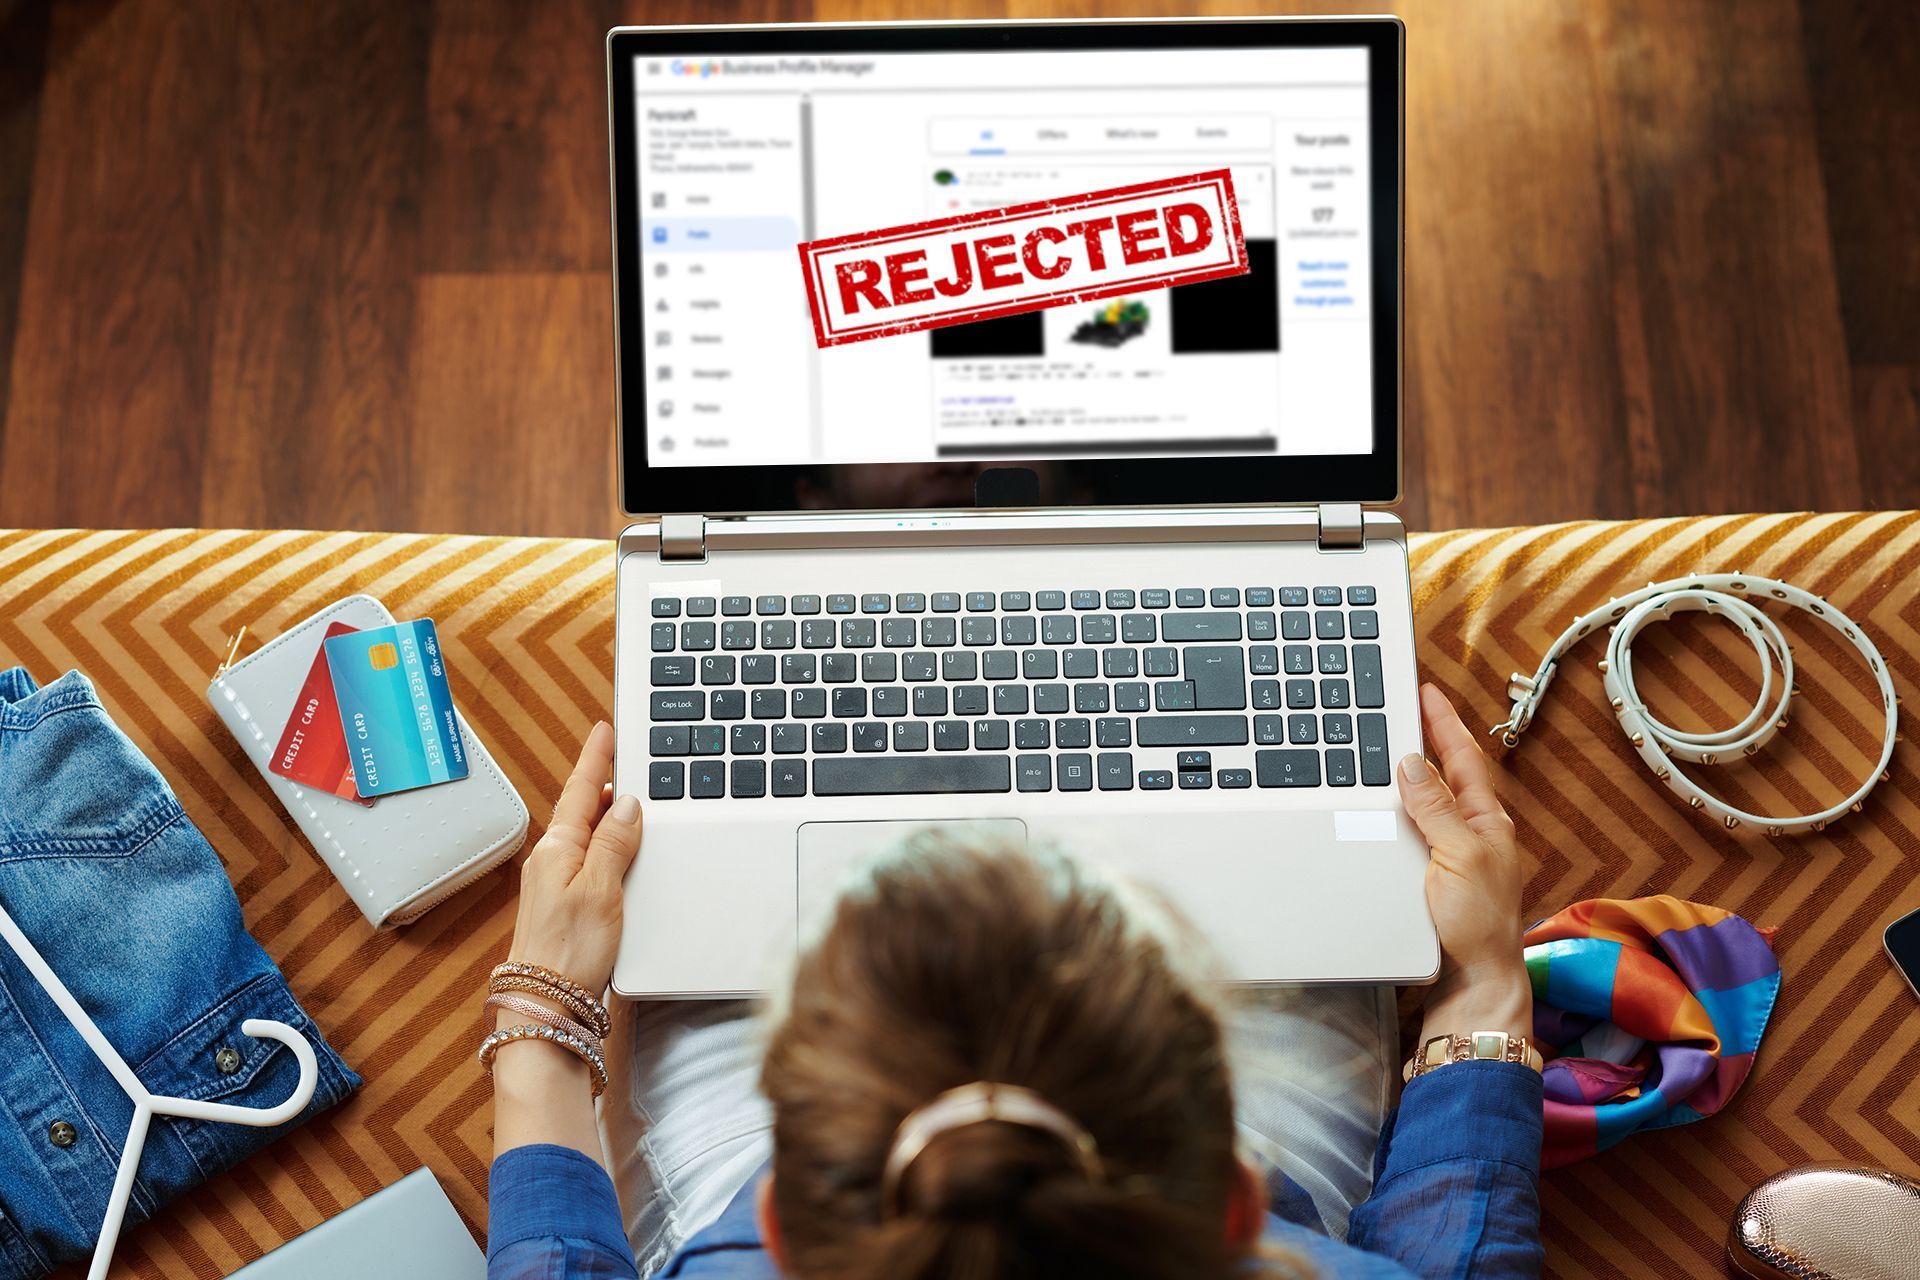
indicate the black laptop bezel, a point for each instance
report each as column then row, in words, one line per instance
column 1280, row 479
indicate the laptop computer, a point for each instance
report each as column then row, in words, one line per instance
column 1106, row 575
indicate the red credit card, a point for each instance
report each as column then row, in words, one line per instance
column 313, row 746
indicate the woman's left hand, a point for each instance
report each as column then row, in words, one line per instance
column 570, row 904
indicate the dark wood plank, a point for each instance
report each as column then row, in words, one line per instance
column 515, row 405
column 107, row 406
column 1886, row 408
column 313, row 395
column 23, row 60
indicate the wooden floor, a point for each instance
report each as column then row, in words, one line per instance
column 343, row 263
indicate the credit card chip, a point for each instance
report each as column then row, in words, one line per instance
column 383, row 657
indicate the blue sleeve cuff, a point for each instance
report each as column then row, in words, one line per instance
column 1467, row 1111
column 540, row 1190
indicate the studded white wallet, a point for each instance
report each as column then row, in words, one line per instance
column 407, row 852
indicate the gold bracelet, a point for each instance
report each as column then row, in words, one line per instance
column 553, row 1035
column 544, row 982
column 1473, row 1046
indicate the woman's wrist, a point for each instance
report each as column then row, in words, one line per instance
column 1494, row 996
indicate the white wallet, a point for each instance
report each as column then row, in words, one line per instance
column 410, row 850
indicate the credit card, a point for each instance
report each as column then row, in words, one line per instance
column 313, row 750
column 395, row 708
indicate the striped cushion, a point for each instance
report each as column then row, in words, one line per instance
column 529, row 631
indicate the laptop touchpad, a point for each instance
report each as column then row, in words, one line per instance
column 834, row 855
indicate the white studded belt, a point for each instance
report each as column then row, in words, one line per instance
column 1731, row 596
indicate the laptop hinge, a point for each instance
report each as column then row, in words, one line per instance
column 1343, row 526
column 683, row 536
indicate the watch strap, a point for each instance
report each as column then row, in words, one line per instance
column 1471, row 1046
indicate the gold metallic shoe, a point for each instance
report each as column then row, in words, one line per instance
column 1828, row 1222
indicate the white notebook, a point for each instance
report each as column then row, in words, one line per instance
column 409, row 1229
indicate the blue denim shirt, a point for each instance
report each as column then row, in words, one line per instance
column 102, row 870
column 1455, row 1193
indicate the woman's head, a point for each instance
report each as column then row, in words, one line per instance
column 952, row 966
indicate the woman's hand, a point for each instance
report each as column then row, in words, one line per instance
column 569, row 918
column 1473, row 880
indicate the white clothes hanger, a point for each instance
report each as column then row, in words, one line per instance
column 147, row 1105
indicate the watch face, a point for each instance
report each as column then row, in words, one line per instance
column 1489, row 1044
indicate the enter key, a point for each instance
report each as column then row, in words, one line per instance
column 1219, row 676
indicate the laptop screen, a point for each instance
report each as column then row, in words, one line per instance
column 737, row 156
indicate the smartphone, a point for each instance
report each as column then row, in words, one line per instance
column 1903, row 944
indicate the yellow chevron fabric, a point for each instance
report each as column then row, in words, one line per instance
column 528, row 630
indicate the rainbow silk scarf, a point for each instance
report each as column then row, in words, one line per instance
column 1648, row 1012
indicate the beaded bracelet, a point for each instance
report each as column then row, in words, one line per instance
column 540, row 1013
column 565, row 1039
column 538, row 980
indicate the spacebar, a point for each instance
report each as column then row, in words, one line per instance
column 1198, row 731
column 906, row 777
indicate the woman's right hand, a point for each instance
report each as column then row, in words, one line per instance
column 1473, row 880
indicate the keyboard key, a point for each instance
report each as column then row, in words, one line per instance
column 1074, row 771
column 1337, row 727
column 958, row 664
column 1224, row 597
column 1364, row 624
column 1189, row 597
column 697, row 635
column 1195, row 781
column 717, row 669
column 1019, row 631
column 1073, row 732
column 1374, row 768
column 1039, row 664
column 1266, row 695
column 1329, row 624
column 700, row 606
column 736, row 606
column 1031, row 735
column 876, row 602
column 741, row 635
column 707, row 779
column 804, row 604
column 1009, row 699
column 1047, row 600
column 1132, row 695
column 1298, row 659
column 759, row 668
column 1263, row 660
column 1137, row 628
column 858, row 633
column 1200, row 626
column 1189, row 760
column 918, row 666
column 663, row 636
column 1302, row 730
column 946, row 602
column 666, row 607
column 1155, row 598
column 849, row 703
column 728, row 704
column 1000, row 664
column 841, row 603
column 910, row 735
column 709, row 739
column 1084, row 600
column 979, row 602
column 1259, row 597
column 768, row 704
column 1156, row 779
column 1079, row 664
column 910, row 602
column 788, row 739
column 1173, row 695
column 1050, row 699
column 1113, row 731
column 668, row 672
column 1035, row 773
column 1326, row 595
column 691, row 705
column 879, row 668
column 798, row 668
column 1218, row 675
column 1368, row 688
column 1098, row 628
column 769, row 606
column 748, row 779
column 828, row 737
column 818, row 633
column 1116, row 664
column 1090, row 698
column 890, row 701
column 1360, row 595
column 949, row 735
column 970, row 700
column 1270, row 731
column 1295, row 624
column 1261, row 625
column 1115, row 770
column 1300, row 695
column 1332, row 659
column 1190, row 731
column 991, row 735
column 1059, row 628
column 938, row 633
column 668, row 740
column 898, row 633
column 1234, row 779
column 1287, row 768
column 1334, row 693
column 809, row 704
column 789, row 777
column 1340, row 767
column 666, row 780
column 1119, row 598
column 918, row 775
column 929, row 700
column 1293, row 596
column 1016, row 601
column 978, row 632
column 1161, row 661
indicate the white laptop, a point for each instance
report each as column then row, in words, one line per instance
column 1119, row 588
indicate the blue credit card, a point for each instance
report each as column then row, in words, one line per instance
column 395, row 708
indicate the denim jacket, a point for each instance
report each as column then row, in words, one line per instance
column 129, row 904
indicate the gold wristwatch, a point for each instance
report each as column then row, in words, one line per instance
column 1473, row 1046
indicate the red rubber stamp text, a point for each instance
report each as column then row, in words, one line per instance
column 976, row 266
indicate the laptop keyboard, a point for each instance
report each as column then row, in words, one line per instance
column 948, row 692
